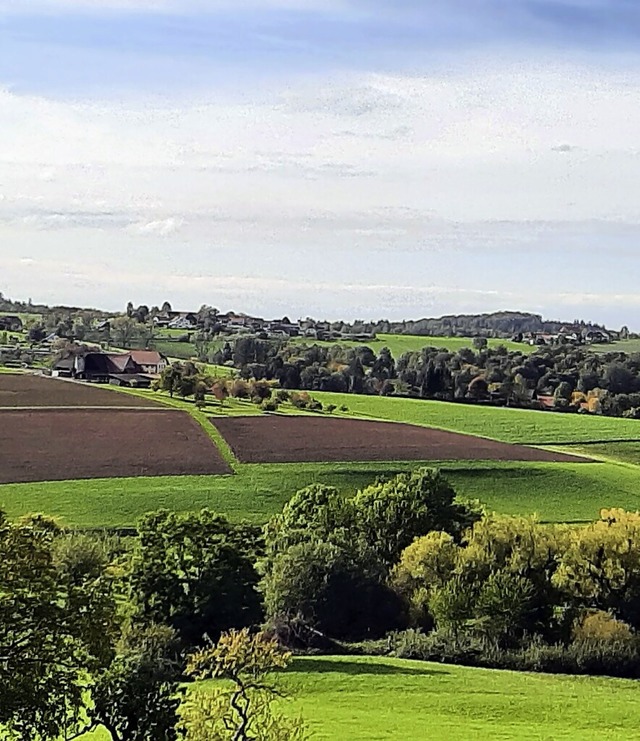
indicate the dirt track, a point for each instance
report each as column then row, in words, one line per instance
column 36, row 391
column 46, row 445
column 280, row 439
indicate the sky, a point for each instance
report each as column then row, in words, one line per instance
column 343, row 159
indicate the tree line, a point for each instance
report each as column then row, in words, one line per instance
column 101, row 631
column 576, row 378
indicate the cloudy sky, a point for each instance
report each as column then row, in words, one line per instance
column 339, row 158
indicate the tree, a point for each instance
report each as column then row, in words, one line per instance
column 480, row 343
column 389, row 516
column 195, row 572
column 243, row 711
column 322, row 586
column 57, row 619
column 136, row 698
column 124, row 331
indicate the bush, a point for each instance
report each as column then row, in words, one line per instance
column 614, row 658
column 269, row 405
column 344, row 408
column 330, row 408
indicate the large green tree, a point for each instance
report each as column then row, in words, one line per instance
column 57, row 622
column 195, row 572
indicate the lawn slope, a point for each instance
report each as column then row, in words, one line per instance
column 377, row 698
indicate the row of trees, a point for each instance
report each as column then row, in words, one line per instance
column 607, row 383
column 99, row 631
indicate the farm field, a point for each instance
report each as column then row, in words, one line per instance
column 626, row 346
column 399, row 344
column 178, row 350
column 554, row 491
column 524, row 426
column 626, row 452
column 279, row 439
column 22, row 390
column 56, row 445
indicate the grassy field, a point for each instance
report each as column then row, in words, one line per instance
column 499, row 423
column 178, row 350
column 376, row 699
column 626, row 346
column 379, row 698
column 399, row 344
column 555, row 492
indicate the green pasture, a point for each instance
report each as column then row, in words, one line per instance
column 499, row 423
column 626, row 346
column 374, row 698
column 379, row 698
column 178, row 350
column 555, row 492
column 399, row 344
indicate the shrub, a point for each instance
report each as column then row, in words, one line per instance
column 601, row 626
column 269, row 405
column 330, row 408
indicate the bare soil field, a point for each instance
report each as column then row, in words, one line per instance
column 275, row 439
column 37, row 391
column 56, row 445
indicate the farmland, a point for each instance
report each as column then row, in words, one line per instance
column 304, row 439
column 555, row 491
column 28, row 391
column 86, row 444
column 522, row 426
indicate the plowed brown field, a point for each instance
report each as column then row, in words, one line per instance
column 280, row 439
column 56, row 445
column 37, row 391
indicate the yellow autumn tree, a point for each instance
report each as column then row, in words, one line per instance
column 241, row 704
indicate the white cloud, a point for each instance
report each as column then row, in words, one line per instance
column 358, row 176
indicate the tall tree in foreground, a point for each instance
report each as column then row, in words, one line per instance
column 241, row 706
column 57, row 621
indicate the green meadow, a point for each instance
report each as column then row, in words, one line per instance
column 399, row 344
column 344, row 698
column 379, row 698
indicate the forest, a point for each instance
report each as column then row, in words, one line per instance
column 563, row 377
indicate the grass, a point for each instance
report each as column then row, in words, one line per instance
column 399, row 344
column 556, row 492
column 507, row 425
column 373, row 698
column 179, row 350
column 626, row 346
column 379, row 698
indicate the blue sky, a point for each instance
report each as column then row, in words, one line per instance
column 343, row 158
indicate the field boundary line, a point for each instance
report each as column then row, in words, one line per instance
column 84, row 408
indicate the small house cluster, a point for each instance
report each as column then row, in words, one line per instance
column 136, row 368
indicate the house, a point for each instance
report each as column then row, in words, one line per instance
column 149, row 361
column 107, row 367
column 183, row 321
column 63, row 368
column 176, row 320
column 9, row 323
column 596, row 336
